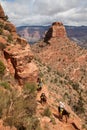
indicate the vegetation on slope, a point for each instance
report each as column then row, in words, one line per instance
column 67, row 90
column 19, row 109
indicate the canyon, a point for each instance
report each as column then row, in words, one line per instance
column 62, row 65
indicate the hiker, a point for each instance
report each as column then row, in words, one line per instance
column 63, row 111
column 43, row 98
column 40, row 84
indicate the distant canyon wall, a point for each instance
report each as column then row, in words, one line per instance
column 36, row 33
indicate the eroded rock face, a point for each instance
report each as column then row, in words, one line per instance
column 2, row 14
column 57, row 30
column 10, row 27
column 17, row 52
column 21, row 59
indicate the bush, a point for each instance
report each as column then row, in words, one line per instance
column 6, row 17
column 75, row 86
column 10, row 38
column 22, row 111
column 47, row 112
column 53, row 121
column 34, row 124
column 1, row 31
column 41, row 74
column 30, row 87
column 2, row 46
column 2, row 68
column 66, row 96
column 5, row 85
column 4, row 102
column 49, row 68
column 79, row 107
column 6, row 27
column 1, row 25
column 55, row 80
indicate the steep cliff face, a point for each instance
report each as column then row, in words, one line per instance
column 17, row 52
column 57, row 30
column 20, row 58
column 17, row 69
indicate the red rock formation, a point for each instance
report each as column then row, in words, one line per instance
column 20, row 63
column 17, row 52
column 2, row 14
column 68, row 59
column 20, row 59
column 10, row 27
column 57, row 30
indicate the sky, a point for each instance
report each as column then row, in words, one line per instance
column 45, row 12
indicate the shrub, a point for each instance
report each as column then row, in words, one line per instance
column 75, row 86
column 59, row 73
column 30, row 104
column 66, row 96
column 34, row 124
column 6, row 27
column 47, row 112
column 61, row 82
column 5, row 85
column 2, row 68
column 55, row 80
column 4, row 102
column 84, row 126
column 41, row 74
column 10, row 38
column 22, row 112
column 49, row 68
column 53, row 121
column 30, row 87
column 79, row 108
column 2, row 46
column 1, row 25
column 1, row 31
column 6, row 17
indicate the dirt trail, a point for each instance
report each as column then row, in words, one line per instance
column 46, row 122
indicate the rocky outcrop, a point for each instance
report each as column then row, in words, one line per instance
column 57, row 30
column 10, row 27
column 17, row 52
column 2, row 14
column 20, row 59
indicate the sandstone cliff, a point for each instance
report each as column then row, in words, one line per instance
column 17, row 52
column 57, row 30
column 17, row 71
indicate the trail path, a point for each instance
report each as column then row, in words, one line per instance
column 46, row 122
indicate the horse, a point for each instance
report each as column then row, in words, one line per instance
column 63, row 113
column 39, row 88
column 43, row 98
